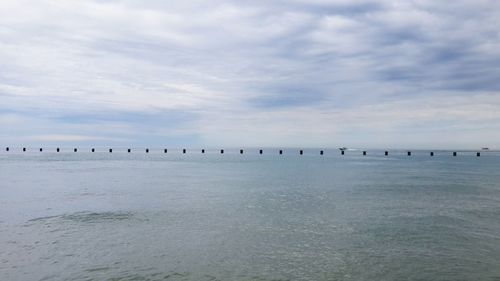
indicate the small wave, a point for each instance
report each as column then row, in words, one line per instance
column 42, row 218
column 86, row 217
column 98, row 217
column 152, row 276
column 95, row 269
column 184, row 276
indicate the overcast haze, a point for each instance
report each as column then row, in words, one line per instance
column 416, row 74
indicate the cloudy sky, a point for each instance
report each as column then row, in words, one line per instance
column 308, row 73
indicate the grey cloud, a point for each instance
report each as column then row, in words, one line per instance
column 256, row 63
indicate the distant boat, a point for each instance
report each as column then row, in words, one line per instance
column 343, row 148
column 485, row 148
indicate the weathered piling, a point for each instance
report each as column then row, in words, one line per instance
column 241, row 151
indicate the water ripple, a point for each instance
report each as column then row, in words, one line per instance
column 86, row 217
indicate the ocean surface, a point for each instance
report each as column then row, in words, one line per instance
column 212, row 216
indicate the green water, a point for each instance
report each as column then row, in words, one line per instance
column 174, row 216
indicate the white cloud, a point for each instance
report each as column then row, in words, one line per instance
column 257, row 73
column 66, row 138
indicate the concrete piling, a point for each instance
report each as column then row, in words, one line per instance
column 241, row 151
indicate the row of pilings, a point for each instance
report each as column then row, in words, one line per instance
column 241, row 151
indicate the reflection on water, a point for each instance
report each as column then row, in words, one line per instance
column 251, row 217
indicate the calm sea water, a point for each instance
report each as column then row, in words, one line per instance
column 120, row 216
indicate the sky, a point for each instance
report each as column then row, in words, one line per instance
column 220, row 73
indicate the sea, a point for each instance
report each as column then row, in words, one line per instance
column 231, row 216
